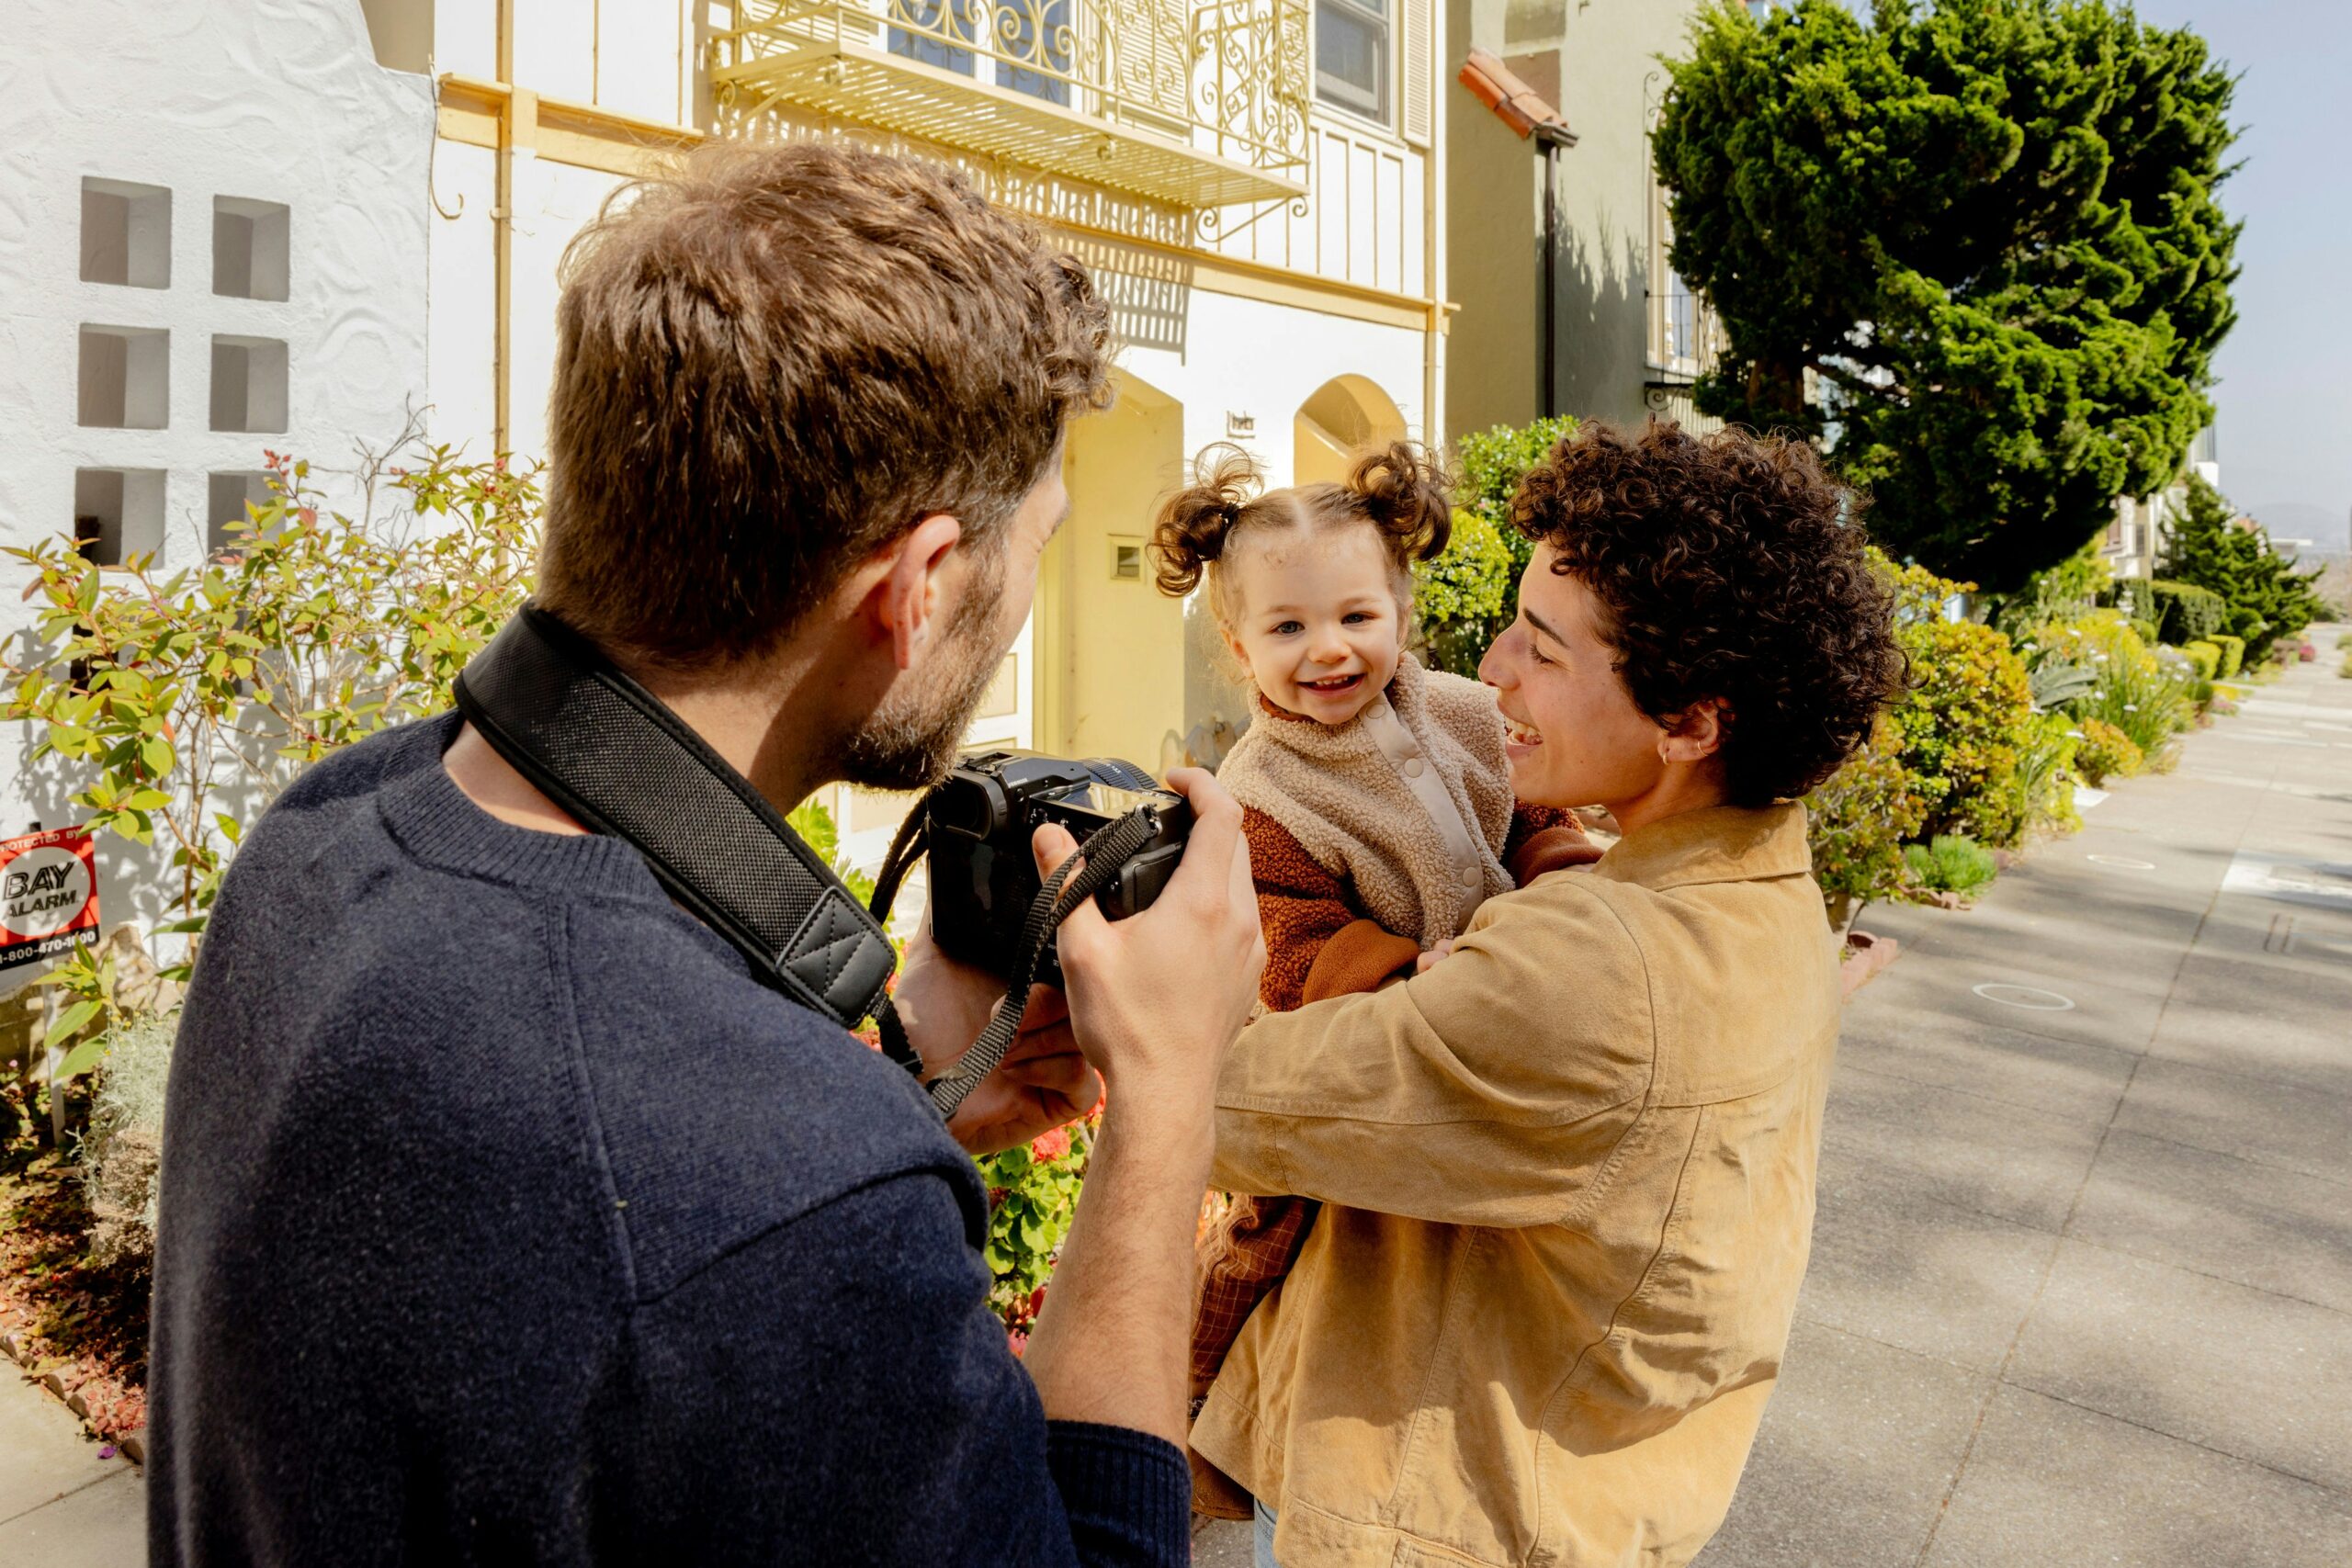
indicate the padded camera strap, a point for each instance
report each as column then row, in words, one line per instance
column 609, row 752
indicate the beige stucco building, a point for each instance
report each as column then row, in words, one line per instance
column 1550, row 201
column 1255, row 183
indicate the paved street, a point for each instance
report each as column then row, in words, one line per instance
column 2082, row 1278
column 60, row 1504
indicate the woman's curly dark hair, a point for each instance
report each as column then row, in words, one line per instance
column 1728, row 566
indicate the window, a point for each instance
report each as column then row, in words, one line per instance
column 125, row 381
column 1126, row 560
column 1352, row 56
column 126, row 234
column 118, row 513
column 248, row 383
column 249, row 248
column 1037, row 32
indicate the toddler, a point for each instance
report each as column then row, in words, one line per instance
column 1374, row 793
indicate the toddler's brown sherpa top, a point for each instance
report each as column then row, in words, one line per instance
column 1373, row 840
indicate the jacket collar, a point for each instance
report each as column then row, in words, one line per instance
column 1718, row 843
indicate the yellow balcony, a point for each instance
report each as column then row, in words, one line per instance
column 1198, row 103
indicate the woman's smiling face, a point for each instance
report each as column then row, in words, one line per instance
column 1315, row 620
column 1576, row 737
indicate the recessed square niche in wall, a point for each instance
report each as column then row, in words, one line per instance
column 126, row 234
column 226, row 496
column 248, row 383
column 118, row 513
column 126, row 376
column 249, row 248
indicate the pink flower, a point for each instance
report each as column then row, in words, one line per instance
column 1048, row 1148
column 1017, row 1340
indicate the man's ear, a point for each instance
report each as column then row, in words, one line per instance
column 907, row 589
column 1697, row 733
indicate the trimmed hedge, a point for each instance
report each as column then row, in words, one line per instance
column 2185, row 613
column 2232, row 654
column 2206, row 656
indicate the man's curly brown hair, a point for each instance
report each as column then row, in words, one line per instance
column 1728, row 566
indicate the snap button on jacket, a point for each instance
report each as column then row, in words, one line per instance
column 1568, row 1188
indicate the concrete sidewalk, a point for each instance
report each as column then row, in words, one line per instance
column 2082, row 1279
column 60, row 1504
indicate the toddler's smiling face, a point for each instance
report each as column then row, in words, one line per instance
column 1315, row 619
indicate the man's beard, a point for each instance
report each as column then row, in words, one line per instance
column 911, row 739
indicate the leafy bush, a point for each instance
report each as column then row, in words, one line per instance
column 1968, row 714
column 2185, row 613
column 2149, row 695
column 1467, row 597
column 1951, row 863
column 2104, row 753
column 2046, row 767
column 2206, row 656
column 2232, row 654
column 1857, row 821
column 121, row 1153
column 1032, row 1193
column 308, row 633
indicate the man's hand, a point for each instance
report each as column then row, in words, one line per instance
column 1043, row 1081
column 1157, row 997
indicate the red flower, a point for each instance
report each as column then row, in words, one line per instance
column 1048, row 1148
column 1017, row 1340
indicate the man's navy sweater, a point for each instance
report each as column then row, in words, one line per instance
column 506, row 1218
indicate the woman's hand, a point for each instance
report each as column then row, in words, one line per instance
column 1429, row 960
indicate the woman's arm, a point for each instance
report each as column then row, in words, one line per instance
column 1488, row 1091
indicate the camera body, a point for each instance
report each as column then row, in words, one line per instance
column 983, row 875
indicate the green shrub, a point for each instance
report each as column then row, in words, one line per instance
column 2149, row 695
column 2344, row 640
column 2232, row 654
column 1951, row 863
column 2183, row 612
column 1968, row 714
column 2265, row 599
column 2206, row 656
column 2144, row 629
column 2046, row 769
column 2103, row 751
column 2344, row 669
column 1467, row 596
column 1857, row 823
column 121, row 1153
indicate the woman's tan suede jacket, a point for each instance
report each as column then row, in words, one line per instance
column 1568, row 1181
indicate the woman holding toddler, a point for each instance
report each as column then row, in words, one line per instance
column 1562, row 1130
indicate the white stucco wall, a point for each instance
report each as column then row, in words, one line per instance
column 273, row 101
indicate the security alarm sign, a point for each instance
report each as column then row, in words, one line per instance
column 49, row 894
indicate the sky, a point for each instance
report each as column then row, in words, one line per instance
column 2285, row 394
column 2284, row 424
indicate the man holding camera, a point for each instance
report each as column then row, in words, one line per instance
column 505, row 1216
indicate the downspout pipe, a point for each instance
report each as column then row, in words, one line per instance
column 1550, row 141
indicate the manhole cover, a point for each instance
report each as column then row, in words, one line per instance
column 2032, row 998
column 2124, row 861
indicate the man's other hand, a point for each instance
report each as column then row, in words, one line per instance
column 1160, row 996
column 1043, row 1081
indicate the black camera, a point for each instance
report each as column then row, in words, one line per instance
column 983, row 875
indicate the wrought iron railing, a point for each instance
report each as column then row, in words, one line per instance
column 1198, row 102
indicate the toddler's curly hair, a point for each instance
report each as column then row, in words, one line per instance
column 1728, row 566
column 1398, row 490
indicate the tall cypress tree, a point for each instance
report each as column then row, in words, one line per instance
column 1984, row 230
column 2265, row 598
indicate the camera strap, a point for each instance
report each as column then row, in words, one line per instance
column 1097, row 864
column 615, row 759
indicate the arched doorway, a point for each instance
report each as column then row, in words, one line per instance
column 1344, row 416
column 1110, row 646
